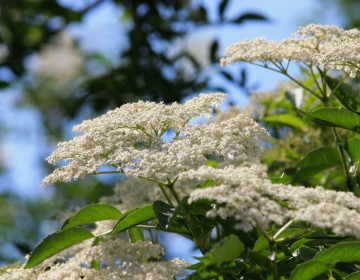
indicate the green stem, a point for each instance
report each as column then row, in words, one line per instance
column 276, row 235
column 315, row 79
column 272, row 246
column 189, row 220
column 342, row 152
column 283, row 71
column 344, row 159
column 174, row 193
column 161, row 185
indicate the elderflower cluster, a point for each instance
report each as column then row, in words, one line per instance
column 324, row 46
column 131, row 140
column 246, row 195
column 59, row 61
column 116, row 259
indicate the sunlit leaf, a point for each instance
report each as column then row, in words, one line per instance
column 352, row 146
column 91, row 214
column 341, row 252
column 309, row 270
column 55, row 243
column 353, row 276
column 323, row 156
column 285, row 119
column 134, row 217
column 335, row 117
column 226, row 250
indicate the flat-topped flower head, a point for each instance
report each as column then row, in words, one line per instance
column 326, row 46
column 246, row 195
column 131, row 140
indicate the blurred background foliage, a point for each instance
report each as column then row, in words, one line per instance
column 65, row 84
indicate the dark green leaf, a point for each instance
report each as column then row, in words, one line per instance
column 262, row 244
column 335, row 117
column 4, row 84
column 319, row 157
column 316, row 161
column 222, row 8
column 202, row 14
column 55, row 243
column 249, row 16
column 167, row 222
column 226, row 250
column 91, row 214
column 353, row 276
column 345, row 93
column 134, row 217
column 352, row 146
column 213, row 51
column 307, row 253
column 340, row 252
column 309, row 270
column 225, row 270
column 285, row 119
column 298, row 243
column 227, row 76
column 260, row 259
column 243, row 79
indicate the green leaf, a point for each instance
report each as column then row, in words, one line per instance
column 213, row 51
column 249, row 16
column 353, row 276
column 345, row 93
column 91, row 214
column 316, row 161
column 340, row 252
column 285, row 119
column 168, row 221
column 352, row 146
column 335, row 117
column 134, row 217
column 310, row 269
column 55, row 243
column 323, row 156
column 222, row 8
column 226, row 250
column 294, row 246
column 262, row 243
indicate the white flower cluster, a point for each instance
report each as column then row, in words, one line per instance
column 325, row 46
column 116, row 258
column 59, row 61
column 131, row 140
column 245, row 194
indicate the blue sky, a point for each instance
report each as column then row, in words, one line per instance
column 99, row 32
